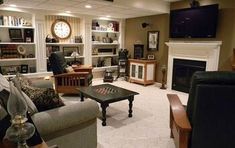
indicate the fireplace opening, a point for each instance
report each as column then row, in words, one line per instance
column 183, row 71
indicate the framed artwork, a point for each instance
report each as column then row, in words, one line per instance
column 152, row 40
column 151, row 57
column 67, row 51
column 15, row 35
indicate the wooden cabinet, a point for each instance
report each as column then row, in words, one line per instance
column 142, row 71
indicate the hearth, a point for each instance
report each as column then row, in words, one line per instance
column 183, row 71
column 207, row 51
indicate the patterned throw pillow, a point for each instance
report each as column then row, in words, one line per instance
column 22, row 79
column 43, row 98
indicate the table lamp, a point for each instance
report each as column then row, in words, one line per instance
column 20, row 130
column 75, row 55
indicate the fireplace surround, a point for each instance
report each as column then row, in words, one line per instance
column 207, row 51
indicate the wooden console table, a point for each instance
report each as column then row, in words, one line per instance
column 142, row 71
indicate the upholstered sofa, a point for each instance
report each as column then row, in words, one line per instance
column 72, row 125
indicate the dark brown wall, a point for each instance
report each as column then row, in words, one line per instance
column 225, row 33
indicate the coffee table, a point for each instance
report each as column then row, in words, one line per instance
column 106, row 94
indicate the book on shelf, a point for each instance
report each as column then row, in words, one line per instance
column 13, row 21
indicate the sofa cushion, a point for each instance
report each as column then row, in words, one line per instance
column 43, row 98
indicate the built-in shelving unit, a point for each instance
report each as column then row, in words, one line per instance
column 99, row 50
column 17, row 43
column 105, row 44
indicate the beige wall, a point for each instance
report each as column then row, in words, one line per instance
column 135, row 33
column 225, row 32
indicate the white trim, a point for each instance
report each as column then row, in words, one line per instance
column 200, row 51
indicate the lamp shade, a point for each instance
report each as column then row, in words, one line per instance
column 75, row 54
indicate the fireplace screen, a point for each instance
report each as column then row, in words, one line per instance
column 183, row 71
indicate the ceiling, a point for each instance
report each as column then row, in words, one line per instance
column 116, row 9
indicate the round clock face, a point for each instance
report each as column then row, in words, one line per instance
column 61, row 29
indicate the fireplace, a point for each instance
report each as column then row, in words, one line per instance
column 183, row 71
column 206, row 52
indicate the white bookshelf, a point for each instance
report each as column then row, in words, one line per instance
column 106, row 36
column 100, row 31
column 96, row 69
column 16, row 59
column 17, row 43
column 104, row 55
column 64, row 44
column 103, row 44
column 17, row 27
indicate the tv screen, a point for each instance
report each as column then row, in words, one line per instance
column 199, row 22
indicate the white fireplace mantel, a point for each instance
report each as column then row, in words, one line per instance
column 207, row 51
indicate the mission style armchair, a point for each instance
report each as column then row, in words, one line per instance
column 68, row 82
column 209, row 119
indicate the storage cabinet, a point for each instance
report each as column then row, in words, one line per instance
column 142, row 71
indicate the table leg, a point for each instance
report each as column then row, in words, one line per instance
column 82, row 97
column 131, row 99
column 104, row 106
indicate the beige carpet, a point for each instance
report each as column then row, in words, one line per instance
column 149, row 126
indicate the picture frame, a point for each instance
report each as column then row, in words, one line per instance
column 15, row 35
column 151, row 57
column 152, row 40
column 67, row 51
column 24, row 68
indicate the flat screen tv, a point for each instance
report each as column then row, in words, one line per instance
column 199, row 22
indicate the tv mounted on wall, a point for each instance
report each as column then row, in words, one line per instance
column 198, row 22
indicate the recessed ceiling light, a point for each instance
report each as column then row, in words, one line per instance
column 12, row 5
column 104, row 18
column 88, row 6
column 68, row 11
column 108, row 16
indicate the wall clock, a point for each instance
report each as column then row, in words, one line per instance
column 61, row 29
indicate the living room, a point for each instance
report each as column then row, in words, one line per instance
column 94, row 35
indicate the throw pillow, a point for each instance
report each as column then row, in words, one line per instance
column 22, row 79
column 69, row 69
column 43, row 98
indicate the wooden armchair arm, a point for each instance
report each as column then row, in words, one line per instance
column 83, row 74
column 82, row 68
column 178, row 113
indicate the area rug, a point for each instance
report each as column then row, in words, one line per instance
column 149, row 126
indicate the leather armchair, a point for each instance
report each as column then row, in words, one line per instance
column 69, row 82
column 208, row 121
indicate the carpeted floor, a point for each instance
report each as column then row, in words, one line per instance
column 149, row 126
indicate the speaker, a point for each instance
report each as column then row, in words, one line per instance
column 28, row 35
column 138, row 51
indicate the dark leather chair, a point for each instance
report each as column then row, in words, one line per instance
column 69, row 82
column 209, row 118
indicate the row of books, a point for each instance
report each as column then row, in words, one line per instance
column 13, row 21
